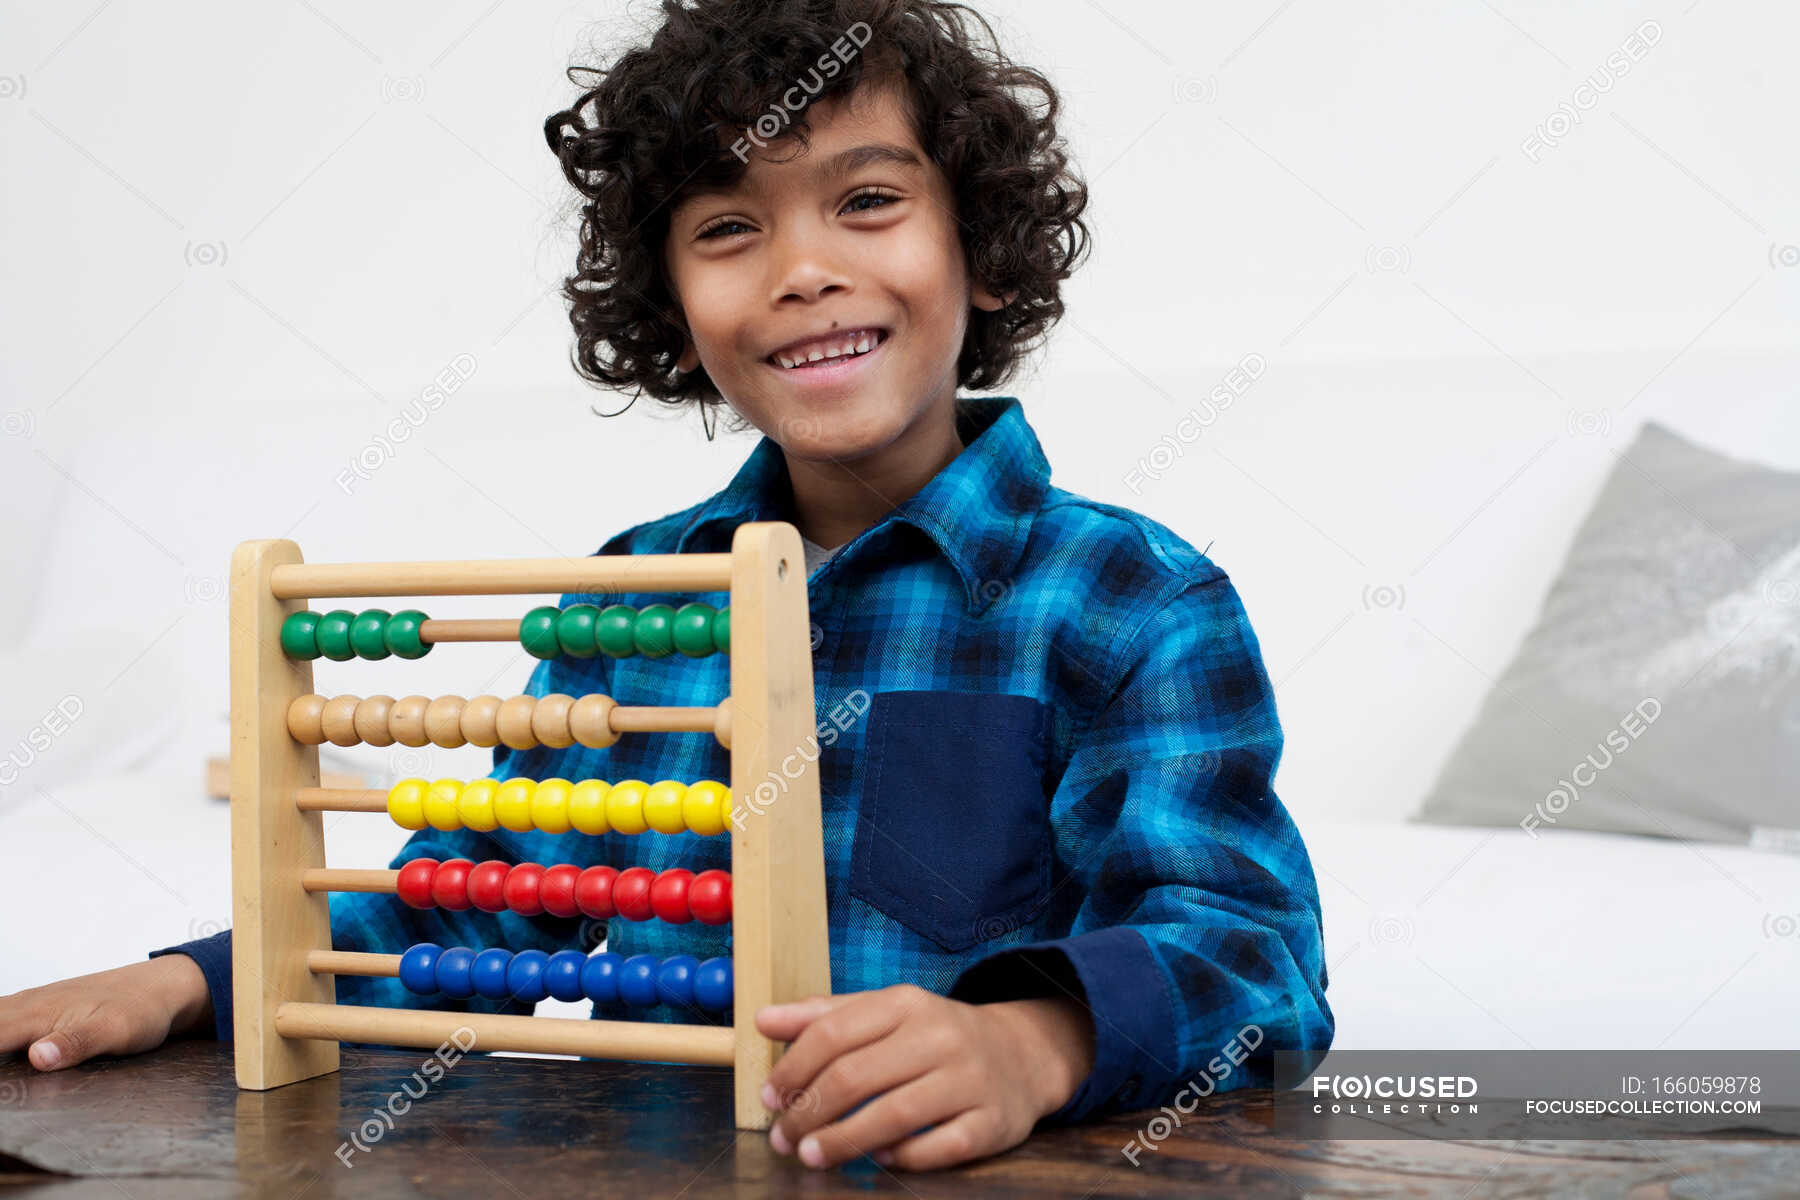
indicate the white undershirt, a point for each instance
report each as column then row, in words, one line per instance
column 815, row 554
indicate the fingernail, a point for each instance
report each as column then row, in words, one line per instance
column 49, row 1054
column 779, row 1140
column 810, row 1154
column 770, row 1098
column 884, row 1157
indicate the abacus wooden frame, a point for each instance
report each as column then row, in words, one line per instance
column 286, row 1024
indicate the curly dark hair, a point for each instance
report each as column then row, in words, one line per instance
column 665, row 117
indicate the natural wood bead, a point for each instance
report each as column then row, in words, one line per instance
column 406, row 720
column 443, row 722
column 372, row 720
column 514, row 723
column 590, row 721
column 722, row 723
column 478, row 721
column 550, row 720
column 339, row 720
column 303, row 719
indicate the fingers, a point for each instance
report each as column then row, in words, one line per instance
column 65, row 1024
column 25, row 1019
column 76, row 1043
column 844, row 1083
column 855, row 1020
column 890, row 1118
column 783, row 1022
column 973, row 1133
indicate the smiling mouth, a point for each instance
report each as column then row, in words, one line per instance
column 848, row 348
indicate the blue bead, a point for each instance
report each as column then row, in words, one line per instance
column 600, row 978
column 712, row 985
column 418, row 968
column 487, row 975
column 525, row 977
column 675, row 980
column 562, row 976
column 637, row 980
column 453, row 972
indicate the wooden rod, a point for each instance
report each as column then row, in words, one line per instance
column 706, row 1045
column 487, row 629
column 506, row 577
column 522, row 722
column 350, row 962
column 650, row 718
column 330, row 879
column 319, row 799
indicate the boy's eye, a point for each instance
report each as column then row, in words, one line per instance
column 870, row 194
column 714, row 230
column 719, row 229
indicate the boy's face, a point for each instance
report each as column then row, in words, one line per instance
column 861, row 249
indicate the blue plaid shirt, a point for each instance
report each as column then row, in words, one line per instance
column 1046, row 745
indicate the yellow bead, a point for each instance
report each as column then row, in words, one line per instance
column 406, row 803
column 512, row 804
column 441, row 805
column 550, row 805
column 662, row 806
column 625, row 806
column 476, row 805
column 587, row 806
column 707, row 803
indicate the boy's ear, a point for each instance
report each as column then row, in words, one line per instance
column 690, row 356
column 987, row 301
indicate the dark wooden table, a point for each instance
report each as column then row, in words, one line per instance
column 174, row 1124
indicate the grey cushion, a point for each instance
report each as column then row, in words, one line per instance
column 1660, row 690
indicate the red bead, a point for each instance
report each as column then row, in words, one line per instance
column 709, row 897
column 487, row 886
column 557, row 891
column 414, row 884
column 450, row 884
column 522, row 884
column 594, row 893
column 669, row 896
column 631, row 893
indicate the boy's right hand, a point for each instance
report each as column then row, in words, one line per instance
column 126, row 1010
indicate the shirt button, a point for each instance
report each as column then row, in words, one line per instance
column 818, row 635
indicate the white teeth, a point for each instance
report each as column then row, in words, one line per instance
column 862, row 345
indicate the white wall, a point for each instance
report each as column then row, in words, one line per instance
column 239, row 238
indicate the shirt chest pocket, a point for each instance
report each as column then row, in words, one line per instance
column 953, row 839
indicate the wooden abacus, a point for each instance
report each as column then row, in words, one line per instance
column 287, row 1024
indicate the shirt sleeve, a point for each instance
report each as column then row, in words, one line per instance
column 1198, row 944
column 382, row 923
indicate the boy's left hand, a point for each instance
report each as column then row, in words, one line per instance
column 980, row 1075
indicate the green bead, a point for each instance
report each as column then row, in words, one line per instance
column 402, row 634
column 300, row 635
column 612, row 631
column 693, row 629
column 721, row 630
column 366, row 634
column 537, row 632
column 575, row 630
column 653, row 633
column 334, row 635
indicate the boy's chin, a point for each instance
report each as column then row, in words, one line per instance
column 836, row 427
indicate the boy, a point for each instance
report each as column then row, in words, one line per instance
column 1060, row 882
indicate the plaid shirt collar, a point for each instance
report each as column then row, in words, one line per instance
column 978, row 510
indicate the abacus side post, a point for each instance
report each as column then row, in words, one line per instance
column 275, row 922
column 781, row 942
